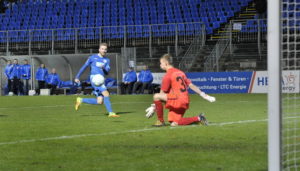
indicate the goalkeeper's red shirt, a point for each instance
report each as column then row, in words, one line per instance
column 175, row 84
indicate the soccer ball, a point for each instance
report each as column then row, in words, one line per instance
column 98, row 80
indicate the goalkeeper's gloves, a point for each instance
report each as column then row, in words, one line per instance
column 150, row 111
column 207, row 97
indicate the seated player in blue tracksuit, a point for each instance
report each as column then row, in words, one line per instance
column 26, row 76
column 41, row 76
column 53, row 81
column 128, row 81
column 145, row 79
column 99, row 65
column 8, row 75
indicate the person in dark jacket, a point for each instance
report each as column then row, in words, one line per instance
column 145, row 79
column 26, row 76
column 15, row 73
column 128, row 81
column 53, row 81
column 8, row 75
column 41, row 76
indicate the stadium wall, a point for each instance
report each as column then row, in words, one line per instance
column 238, row 82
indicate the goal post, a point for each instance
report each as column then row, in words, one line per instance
column 274, row 91
column 283, row 93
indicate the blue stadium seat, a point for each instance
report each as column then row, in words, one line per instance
column 33, row 14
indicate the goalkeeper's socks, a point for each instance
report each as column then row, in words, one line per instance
column 107, row 104
column 89, row 100
column 187, row 121
column 159, row 110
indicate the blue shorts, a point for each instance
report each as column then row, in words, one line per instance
column 98, row 89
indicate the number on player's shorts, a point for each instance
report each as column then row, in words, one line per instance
column 183, row 89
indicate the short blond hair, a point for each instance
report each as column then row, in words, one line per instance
column 103, row 44
column 168, row 58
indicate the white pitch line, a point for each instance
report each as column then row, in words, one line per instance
column 237, row 122
column 123, row 132
column 53, row 106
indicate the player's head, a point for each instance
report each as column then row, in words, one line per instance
column 53, row 70
column 8, row 62
column 103, row 49
column 166, row 62
column 15, row 61
column 145, row 67
column 42, row 65
column 25, row 61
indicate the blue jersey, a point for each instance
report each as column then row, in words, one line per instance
column 16, row 71
column 26, row 72
column 98, row 64
column 53, row 79
column 130, row 76
column 41, row 74
column 145, row 76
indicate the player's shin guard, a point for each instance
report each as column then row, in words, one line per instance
column 107, row 104
column 89, row 101
column 188, row 121
column 159, row 110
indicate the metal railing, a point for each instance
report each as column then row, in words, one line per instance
column 212, row 61
column 193, row 51
column 74, row 40
column 236, row 32
column 252, row 31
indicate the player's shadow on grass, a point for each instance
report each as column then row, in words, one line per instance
column 3, row 115
column 122, row 113
column 118, row 113
column 90, row 115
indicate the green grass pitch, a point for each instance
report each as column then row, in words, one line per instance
column 46, row 133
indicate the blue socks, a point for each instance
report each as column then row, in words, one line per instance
column 107, row 104
column 89, row 101
column 106, row 101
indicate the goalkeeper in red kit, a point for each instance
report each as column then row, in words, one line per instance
column 174, row 93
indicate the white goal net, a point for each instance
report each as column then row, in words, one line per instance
column 290, row 102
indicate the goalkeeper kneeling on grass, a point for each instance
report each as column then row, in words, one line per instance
column 174, row 93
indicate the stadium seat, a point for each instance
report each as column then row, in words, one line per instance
column 42, row 14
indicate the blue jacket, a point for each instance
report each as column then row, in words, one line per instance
column 41, row 74
column 15, row 71
column 145, row 76
column 130, row 77
column 26, row 72
column 53, row 79
column 8, row 70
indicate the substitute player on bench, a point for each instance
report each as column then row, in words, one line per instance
column 174, row 92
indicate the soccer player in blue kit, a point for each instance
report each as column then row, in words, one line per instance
column 99, row 65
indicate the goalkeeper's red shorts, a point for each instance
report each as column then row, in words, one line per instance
column 175, row 114
column 174, row 102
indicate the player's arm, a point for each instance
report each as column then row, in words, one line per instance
column 195, row 88
column 46, row 74
column 201, row 93
column 82, row 69
column 38, row 73
column 10, row 70
column 106, row 68
column 7, row 72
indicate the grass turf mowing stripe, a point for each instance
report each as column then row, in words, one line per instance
column 124, row 132
column 53, row 106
